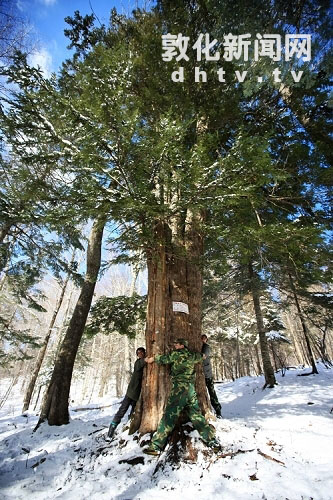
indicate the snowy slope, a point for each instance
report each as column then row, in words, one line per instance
column 278, row 444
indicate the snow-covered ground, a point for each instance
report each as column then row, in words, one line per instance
column 278, row 444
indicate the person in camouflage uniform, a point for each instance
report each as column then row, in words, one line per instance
column 182, row 396
column 208, row 372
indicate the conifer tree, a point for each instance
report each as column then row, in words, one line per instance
column 176, row 163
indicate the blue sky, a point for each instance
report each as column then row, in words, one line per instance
column 46, row 18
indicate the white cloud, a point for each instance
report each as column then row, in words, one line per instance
column 48, row 2
column 20, row 5
column 43, row 59
column 25, row 5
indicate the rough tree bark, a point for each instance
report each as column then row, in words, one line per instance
column 55, row 402
column 266, row 361
column 129, row 343
column 174, row 275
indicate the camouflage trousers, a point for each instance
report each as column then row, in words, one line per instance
column 182, row 398
column 213, row 397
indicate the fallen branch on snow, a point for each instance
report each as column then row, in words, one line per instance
column 92, row 408
column 233, row 453
column 270, row 458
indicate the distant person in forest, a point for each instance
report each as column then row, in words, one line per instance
column 182, row 397
column 208, row 372
column 133, row 391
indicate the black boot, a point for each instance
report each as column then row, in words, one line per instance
column 112, row 429
column 218, row 414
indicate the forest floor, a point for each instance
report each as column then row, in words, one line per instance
column 277, row 445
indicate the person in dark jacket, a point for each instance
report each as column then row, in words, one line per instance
column 208, row 372
column 133, row 391
column 182, row 397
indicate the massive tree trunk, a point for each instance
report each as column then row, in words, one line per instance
column 129, row 358
column 266, row 361
column 174, row 275
column 42, row 351
column 55, row 402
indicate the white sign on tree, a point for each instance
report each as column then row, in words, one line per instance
column 180, row 307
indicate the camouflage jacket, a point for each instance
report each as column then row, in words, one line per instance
column 182, row 363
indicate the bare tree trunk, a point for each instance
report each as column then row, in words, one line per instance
column 248, row 366
column 295, row 341
column 37, row 398
column 259, row 367
column 266, row 361
column 238, row 358
column 274, row 357
column 90, row 373
column 106, row 365
column 13, row 382
column 41, row 354
column 55, row 401
column 92, row 387
column 304, row 327
column 222, row 362
column 323, row 348
column 119, row 379
column 9, row 390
